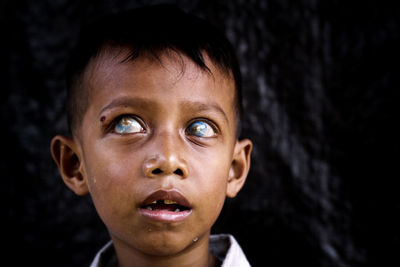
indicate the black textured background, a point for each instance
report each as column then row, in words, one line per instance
column 321, row 83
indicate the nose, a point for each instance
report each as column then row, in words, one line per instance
column 165, row 159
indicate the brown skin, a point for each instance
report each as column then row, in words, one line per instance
column 116, row 169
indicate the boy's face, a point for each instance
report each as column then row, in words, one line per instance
column 155, row 131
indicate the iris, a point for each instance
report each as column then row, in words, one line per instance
column 200, row 129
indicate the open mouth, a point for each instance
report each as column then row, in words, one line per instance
column 166, row 205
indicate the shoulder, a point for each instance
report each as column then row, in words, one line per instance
column 225, row 248
column 105, row 257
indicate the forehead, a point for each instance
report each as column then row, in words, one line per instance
column 171, row 78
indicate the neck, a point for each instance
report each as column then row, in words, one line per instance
column 195, row 255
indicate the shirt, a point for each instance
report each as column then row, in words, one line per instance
column 223, row 246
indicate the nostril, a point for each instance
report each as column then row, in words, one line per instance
column 156, row 171
column 178, row 172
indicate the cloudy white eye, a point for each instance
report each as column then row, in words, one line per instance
column 200, row 129
column 127, row 125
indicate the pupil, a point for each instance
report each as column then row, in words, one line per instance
column 125, row 122
column 199, row 127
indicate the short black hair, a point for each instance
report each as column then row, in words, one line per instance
column 150, row 31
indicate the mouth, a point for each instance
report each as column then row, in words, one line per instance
column 167, row 206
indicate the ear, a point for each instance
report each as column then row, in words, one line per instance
column 240, row 167
column 66, row 155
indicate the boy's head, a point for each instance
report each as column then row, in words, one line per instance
column 154, row 110
column 149, row 32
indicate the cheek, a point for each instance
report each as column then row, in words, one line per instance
column 106, row 173
column 212, row 179
column 109, row 179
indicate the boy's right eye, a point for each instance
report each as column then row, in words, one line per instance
column 127, row 124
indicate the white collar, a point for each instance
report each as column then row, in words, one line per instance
column 223, row 246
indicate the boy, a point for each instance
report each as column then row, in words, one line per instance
column 154, row 112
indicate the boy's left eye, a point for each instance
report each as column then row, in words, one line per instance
column 200, row 129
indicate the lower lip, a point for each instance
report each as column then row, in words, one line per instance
column 165, row 216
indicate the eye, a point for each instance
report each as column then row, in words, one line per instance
column 128, row 124
column 200, row 129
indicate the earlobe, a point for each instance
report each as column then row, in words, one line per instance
column 65, row 154
column 239, row 168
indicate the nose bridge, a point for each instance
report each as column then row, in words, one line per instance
column 168, row 145
column 166, row 156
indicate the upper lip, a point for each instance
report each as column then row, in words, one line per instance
column 173, row 195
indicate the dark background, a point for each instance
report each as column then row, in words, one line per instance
column 320, row 94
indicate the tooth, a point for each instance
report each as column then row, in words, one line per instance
column 154, row 202
column 177, row 210
column 168, row 202
column 149, row 208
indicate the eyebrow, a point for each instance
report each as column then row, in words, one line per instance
column 126, row 101
column 200, row 106
column 142, row 102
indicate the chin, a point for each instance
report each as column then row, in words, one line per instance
column 165, row 245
